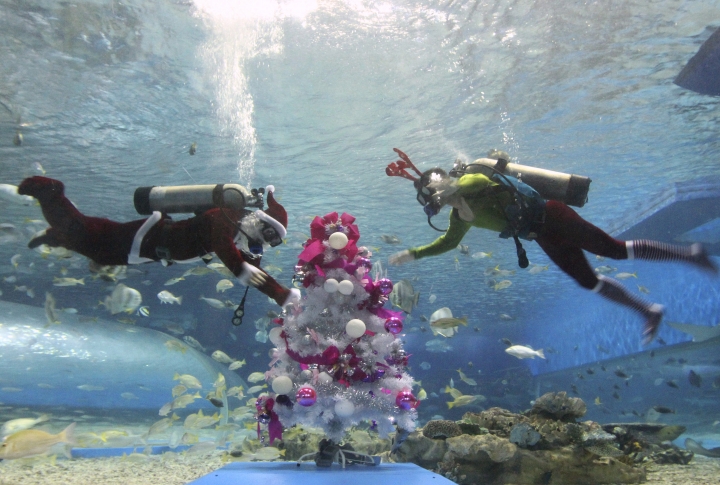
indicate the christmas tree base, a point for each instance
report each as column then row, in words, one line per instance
column 331, row 452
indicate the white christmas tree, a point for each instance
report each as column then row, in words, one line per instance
column 339, row 360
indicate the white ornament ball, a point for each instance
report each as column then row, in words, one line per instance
column 282, row 385
column 274, row 335
column 344, row 408
column 338, row 240
column 346, row 287
column 324, row 378
column 355, row 328
column 330, row 285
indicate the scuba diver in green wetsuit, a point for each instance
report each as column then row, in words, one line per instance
column 491, row 194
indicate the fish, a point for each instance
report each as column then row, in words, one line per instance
column 222, row 357
column 193, row 148
column 537, row 269
column 176, row 345
column 123, row 299
column 467, row 380
column 68, row 281
column 15, row 425
column 448, row 322
column 698, row 449
column 32, row 442
column 694, row 378
column 267, row 453
column 213, row 302
column 605, row 269
column 437, row 346
column 597, row 401
column 167, row 297
column 422, row 395
column 670, row 433
column 162, row 425
column 50, row 312
column 173, row 281
column 496, row 271
column 664, row 410
column 643, row 289
column 128, row 395
column 256, row 377
column 523, row 352
column 464, row 249
column 223, row 285
column 425, row 365
column 390, row 239
column 481, row 255
column 143, row 311
column 236, row 364
column 178, row 390
column 403, row 296
column 502, row 285
column 197, row 271
column 191, row 341
column 221, row 269
column 672, row 384
column 624, row 276
column 255, row 389
column 700, row 333
column 506, row 341
column 187, row 380
column 9, row 193
column 199, row 420
column 463, row 400
column 89, row 387
column 185, row 399
column 620, row 373
column 432, row 298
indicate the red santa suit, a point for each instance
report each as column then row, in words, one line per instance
column 157, row 238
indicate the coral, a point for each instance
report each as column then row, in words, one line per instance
column 441, row 429
column 498, row 421
column 559, row 406
column 524, row 435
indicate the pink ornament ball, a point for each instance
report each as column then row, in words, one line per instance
column 385, row 286
column 364, row 263
column 306, row 396
column 406, row 401
column 394, row 325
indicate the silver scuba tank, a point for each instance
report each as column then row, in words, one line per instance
column 195, row 198
column 568, row 188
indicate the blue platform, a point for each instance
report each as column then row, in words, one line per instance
column 289, row 473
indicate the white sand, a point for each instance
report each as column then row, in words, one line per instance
column 179, row 469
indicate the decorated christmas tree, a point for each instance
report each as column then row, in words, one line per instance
column 339, row 360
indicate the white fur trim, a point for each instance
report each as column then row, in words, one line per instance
column 273, row 222
column 630, row 250
column 247, row 271
column 269, row 188
column 134, row 256
column 293, row 297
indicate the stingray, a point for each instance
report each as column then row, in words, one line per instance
column 698, row 449
column 700, row 333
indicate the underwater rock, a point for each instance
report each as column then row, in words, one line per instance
column 467, row 427
column 672, row 456
column 498, row 421
column 524, row 435
column 441, row 429
column 559, row 406
column 479, row 449
column 419, row 449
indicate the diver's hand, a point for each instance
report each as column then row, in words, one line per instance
column 252, row 276
column 401, row 258
column 292, row 298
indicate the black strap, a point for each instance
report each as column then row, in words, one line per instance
column 240, row 310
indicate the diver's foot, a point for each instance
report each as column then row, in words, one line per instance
column 45, row 237
column 652, row 324
column 41, row 187
column 699, row 256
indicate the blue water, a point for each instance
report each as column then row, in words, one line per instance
column 312, row 98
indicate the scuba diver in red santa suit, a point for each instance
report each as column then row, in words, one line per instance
column 493, row 194
column 232, row 234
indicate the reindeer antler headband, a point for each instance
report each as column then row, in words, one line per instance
column 398, row 168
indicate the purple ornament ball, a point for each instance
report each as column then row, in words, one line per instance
column 405, row 400
column 385, row 286
column 306, row 396
column 394, row 325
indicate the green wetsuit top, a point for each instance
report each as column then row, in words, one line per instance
column 487, row 213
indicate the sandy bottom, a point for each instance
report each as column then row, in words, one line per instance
column 179, row 469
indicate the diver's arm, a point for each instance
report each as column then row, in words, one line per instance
column 447, row 242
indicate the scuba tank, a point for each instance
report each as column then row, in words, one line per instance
column 570, row 189
column 195, row 198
